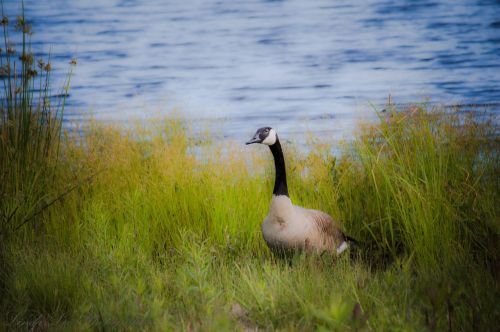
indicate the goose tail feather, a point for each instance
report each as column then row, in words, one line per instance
column 348, row 242
column 352, row 242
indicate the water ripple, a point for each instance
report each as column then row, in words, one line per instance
column 297, row 65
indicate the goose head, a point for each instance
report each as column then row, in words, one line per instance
column 264, row 135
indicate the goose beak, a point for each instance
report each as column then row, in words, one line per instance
column 255, row 139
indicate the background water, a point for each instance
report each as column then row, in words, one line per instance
column 295, row 65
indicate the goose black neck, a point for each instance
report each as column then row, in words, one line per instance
column 280, row 187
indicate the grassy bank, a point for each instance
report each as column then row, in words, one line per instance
column 159, row 237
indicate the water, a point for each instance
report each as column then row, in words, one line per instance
column 295, row 65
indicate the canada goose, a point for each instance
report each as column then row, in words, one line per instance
column 287, row 227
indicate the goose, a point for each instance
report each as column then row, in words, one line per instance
column 289, row 228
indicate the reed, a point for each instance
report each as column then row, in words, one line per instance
column 30, row 128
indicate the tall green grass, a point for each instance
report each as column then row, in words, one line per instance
column 30, row 128
column 425, row 183
column 167, row 235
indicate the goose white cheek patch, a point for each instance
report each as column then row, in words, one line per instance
column 271, row 138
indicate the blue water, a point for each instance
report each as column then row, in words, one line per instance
column 295, row 65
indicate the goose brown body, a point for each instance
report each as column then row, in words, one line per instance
column 287, row 227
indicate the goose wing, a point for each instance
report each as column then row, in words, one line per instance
column 327, row 228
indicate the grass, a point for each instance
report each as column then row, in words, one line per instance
column 147, row 228
column 166, row 238
column 30, row 128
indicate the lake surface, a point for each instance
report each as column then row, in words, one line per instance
column 295, row 65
